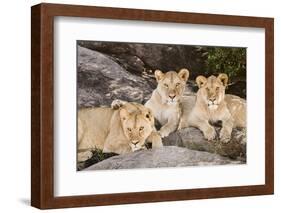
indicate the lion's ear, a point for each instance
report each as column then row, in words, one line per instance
column 223, row 78
column 183, row 74
column 201, row 81
column 149, row 115
column 158, row 75
column 117, row 104
column 124, row 114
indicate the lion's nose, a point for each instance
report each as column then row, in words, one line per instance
column 212, row 99
column 135, row 142
column 172, row 96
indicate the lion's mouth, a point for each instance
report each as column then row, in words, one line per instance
column 212, row 106
column 136, row 148
column 172, row 101
column 136, row 145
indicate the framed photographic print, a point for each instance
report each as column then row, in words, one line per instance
column 135, row 106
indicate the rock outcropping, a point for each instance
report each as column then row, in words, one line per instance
column 101, row 80
column 139, row 58
column 169, row 156
column 192, row 138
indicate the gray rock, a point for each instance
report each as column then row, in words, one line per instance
column 101, row 80
column 169, row 156
column 140, row 57
column 193, row 138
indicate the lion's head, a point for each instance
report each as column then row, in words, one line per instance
column 212, row 90
column 137, row 123
column 171, row 85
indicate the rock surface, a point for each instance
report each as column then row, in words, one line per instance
column 139, row 58
column 169, row 156
column 101, row 80
column 192, row 138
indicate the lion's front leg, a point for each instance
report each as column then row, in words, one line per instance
column 183, row 123
column 169, row 127
column 118, row 149
column 114, row 144
column 225, row 133
column 209, row 131
column 84, row 155
column 155, row 139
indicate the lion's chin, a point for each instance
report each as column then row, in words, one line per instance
column 170, row 102
column 137, row 148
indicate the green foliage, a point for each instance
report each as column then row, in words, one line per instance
column 231, row 61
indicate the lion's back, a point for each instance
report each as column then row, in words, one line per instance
column 93, row 126
column 237, row 108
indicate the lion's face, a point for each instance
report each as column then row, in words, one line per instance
column 212, row 90
column 137, row 123
column 171, row 85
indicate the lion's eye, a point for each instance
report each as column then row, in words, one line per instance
column 129, row 129
column 141, row 128
column 166, row 85
column 217, row 88
column 178, row 84
column 147, row 116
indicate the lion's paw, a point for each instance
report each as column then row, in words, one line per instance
column 164, row 133
column 83, row 156
column 116, row 104
column 157, row 143
column 225, row 136
column 183, row 125
column 210, row 134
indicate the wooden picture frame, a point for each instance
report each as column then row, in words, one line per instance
column 42, row 89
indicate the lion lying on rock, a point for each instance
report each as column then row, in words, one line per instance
column 211, row 105
column 120, row 131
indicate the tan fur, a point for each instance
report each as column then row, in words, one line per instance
column 120, row 131
column 166, row 98
column 211, row 104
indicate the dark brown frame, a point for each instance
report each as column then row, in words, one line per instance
column 42, row 180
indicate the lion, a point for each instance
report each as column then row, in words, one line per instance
column 211, row 104
column 166, row 99
column 120, row 131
